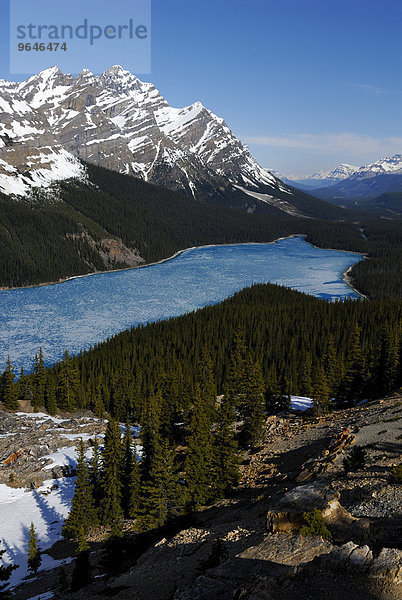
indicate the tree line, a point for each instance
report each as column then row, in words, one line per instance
column 46, row 241
column 345, row 350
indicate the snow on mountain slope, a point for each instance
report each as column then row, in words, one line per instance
column 369, row 181
column 321, row 178
column 119, row 122
column 275, row 202
column 387, row 165
column 40, row 168
column 340, row 172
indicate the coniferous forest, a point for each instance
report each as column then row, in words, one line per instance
column 46, row 239
column 200, row 387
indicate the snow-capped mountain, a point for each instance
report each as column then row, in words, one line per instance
column 321, row 178
column 384, row 166
column 382, row 176
column 119, row 122
column 342, row 171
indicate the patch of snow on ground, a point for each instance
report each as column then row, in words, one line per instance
column 80, row 436
column 39, row 415
column 18, row 508
column 63, row 456
column 300, row 403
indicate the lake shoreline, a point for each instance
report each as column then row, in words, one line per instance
column 345, row 275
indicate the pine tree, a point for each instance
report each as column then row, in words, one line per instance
column 95, row 472
column 199, row 464
column 275, row 401
column 130, row 477
column 5, row 574
column 253, row 403
column 34, row 554
column 122, row 393
column 389, row 359
column 175, row 402
column 160, row 494
column 9, row 388
column 137, row 399
column 111, row 511
column 206, row 382
column 68, row 384
column 98, row 405
column 39, row 381
column 50, row 396
column 225, row 451
column 83, row 515
column 233, row 388
column 81, row 575
column 353, row 383
column 321, row 393
column 150, row 431
column 24, row 391
column 306, row 381
column 331, row 367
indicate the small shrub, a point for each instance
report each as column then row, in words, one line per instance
column 314, row 525
column 356, row 459
column 396, row 474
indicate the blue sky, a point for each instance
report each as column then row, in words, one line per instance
column 305, row 83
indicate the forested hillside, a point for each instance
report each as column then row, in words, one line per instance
column 347, row 350
column 47, row 239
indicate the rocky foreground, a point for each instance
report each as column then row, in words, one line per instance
column 30, row 444
column 249, row 546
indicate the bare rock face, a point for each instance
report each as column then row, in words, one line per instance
column 317, row 466
column 288, row 549
column 383, row 574
column 295, row 567
column 119, row 122
column 288, row 514
column 388, row 567
column 113, row 252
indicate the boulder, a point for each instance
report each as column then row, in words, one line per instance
column 288, row 514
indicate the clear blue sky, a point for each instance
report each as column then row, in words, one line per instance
column 305, row 83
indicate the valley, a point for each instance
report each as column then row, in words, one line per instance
column 201, row 358
column 87, row 310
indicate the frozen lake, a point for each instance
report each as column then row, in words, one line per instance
column 82, row 311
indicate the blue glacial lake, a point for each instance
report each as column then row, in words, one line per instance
column 85, row 310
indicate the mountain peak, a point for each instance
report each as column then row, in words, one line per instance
column 117, row 71
column 50, row 72
column 117, row 120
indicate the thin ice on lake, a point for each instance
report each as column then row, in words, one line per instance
column 82, row 311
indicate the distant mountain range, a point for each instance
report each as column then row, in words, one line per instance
column 381, row 177
column 346, row 181
column 320, row 178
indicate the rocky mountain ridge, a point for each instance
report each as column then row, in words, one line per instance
column 119, row 122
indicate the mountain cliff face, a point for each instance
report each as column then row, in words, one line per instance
column 121, row 123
